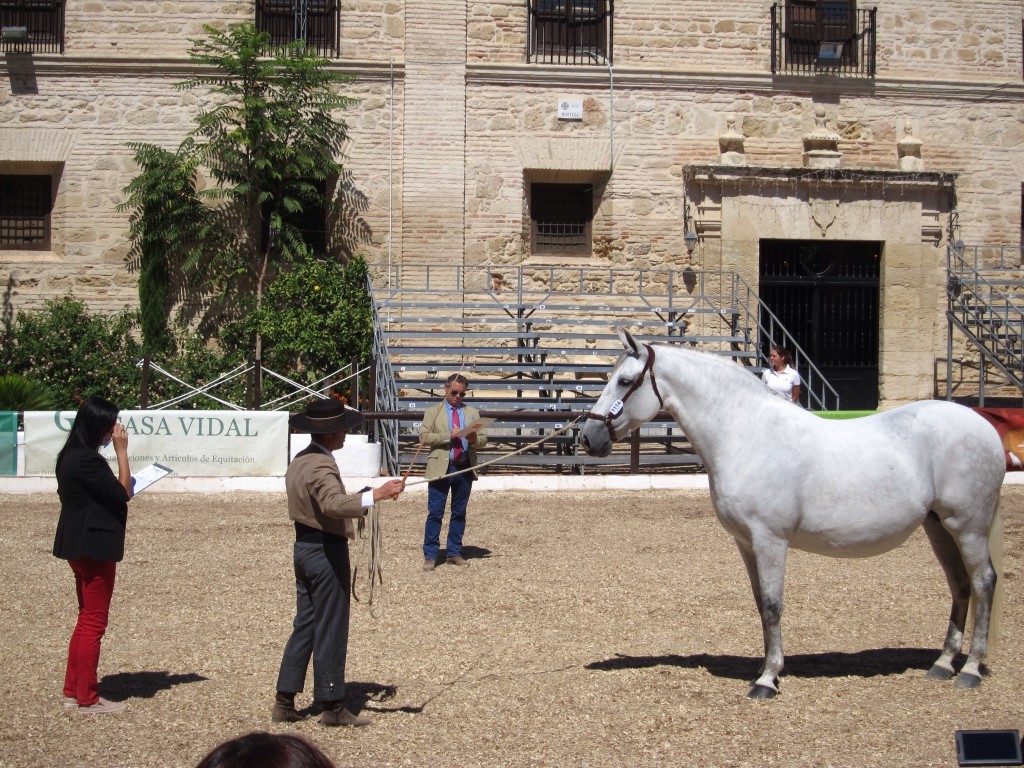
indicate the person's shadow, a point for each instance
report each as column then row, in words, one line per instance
column 143, row 685
column 468, row 552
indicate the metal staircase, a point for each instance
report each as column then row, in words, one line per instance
column 985, row 303
column 537, row 344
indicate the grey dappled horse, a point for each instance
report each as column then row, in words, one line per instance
column 781, row 477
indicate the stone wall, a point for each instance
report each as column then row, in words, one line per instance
column 452, row 126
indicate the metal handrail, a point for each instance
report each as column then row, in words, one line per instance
column 980, row 307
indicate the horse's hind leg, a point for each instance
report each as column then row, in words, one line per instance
column 969, row 572
column 948, row 554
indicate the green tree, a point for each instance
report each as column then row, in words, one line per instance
column 171, row 229
column 314, row 318
column 269, row 138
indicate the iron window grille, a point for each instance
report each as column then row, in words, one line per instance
column 25, row 206
column 833, row 37
column 560, row 218
column 316, row 22
column 569, row 31
column 32, row 26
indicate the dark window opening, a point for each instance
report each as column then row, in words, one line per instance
column 32, row 26
column 317, row 22
column 560, row 216
column 823, row 37
column 570, row 31
column 25, row 206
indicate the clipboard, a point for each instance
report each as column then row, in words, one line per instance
column 477, row 426
column 146, row 476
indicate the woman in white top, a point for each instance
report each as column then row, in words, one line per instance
column 782, row 379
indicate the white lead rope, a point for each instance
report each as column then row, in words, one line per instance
column 496, row 459
column 372, row 523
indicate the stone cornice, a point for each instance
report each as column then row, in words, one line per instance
column 181, row 67
column 715, row 81
column 753, row 174
column 554, row 76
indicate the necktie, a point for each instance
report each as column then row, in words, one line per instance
column 457, row 449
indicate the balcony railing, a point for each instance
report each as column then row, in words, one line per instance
column 569, row 31
column 317, row 22
column 32, row 26
column 823, row 40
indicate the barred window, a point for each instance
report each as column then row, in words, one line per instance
column 32, row 26
column 560, row 217
column 317, row 22
column 570, row 31
column 25, row 206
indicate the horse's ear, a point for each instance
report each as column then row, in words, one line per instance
column 628, row 342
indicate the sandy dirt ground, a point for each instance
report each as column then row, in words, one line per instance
column 593, row 629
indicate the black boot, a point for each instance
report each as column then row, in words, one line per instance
column 284, row 709
column 335, row 714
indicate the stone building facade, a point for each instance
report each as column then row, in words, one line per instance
column 685, row 117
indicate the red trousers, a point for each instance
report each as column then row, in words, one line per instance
column 94, row 583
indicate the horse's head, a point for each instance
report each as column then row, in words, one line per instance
column 630, row 398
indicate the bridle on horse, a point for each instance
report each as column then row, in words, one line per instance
column 617, row 406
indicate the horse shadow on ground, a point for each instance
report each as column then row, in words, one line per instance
column 867, row 663
column 144, row 685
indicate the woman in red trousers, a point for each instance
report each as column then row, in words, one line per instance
column 90, row 536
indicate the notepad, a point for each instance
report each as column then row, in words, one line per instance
column 477, row 426
column 146, row 476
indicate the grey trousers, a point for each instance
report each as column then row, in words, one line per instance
column 320, row 629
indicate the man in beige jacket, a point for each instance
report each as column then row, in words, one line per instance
column 449, row 452
column 324, row 516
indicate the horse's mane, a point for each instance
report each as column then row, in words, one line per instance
column 724, row 373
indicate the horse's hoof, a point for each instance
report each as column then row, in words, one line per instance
column 939, row 673
column 967, row 680
column 761, row 692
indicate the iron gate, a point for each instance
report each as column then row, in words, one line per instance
column 826, row 293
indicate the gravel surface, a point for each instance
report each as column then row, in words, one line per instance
column 593, row 629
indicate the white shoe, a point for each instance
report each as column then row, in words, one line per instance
column 102, row 707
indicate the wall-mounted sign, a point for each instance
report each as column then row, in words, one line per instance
column 569, row 108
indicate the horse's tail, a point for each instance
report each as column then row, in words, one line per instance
column 995, row 554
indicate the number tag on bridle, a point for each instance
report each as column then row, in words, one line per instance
column 616, row 409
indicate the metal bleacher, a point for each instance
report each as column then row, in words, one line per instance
column 985, row 302
column 536, row 344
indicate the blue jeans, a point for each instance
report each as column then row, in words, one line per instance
column 437, row 496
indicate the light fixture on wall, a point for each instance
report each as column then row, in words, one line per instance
column 690, row 239
column 830, row 54
column 14, row 34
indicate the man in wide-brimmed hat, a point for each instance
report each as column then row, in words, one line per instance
column 324, row 516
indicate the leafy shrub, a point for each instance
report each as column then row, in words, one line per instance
column 75, row 354
column 18, row 393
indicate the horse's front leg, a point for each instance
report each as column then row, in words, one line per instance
column 766, row 566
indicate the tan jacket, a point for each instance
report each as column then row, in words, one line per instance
column 316, row 495
column 435, row 434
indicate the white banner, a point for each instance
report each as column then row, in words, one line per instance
column 192, row 443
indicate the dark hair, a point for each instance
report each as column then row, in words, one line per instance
column 784, row 353
column 266, row 750
column 457, row 377
column 95, row 418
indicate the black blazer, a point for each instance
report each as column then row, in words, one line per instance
column 93, row 508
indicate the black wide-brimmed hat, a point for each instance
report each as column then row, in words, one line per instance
column 324, row 416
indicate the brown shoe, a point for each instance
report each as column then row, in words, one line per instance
column 336, row 714
column 284, row 709
column 458, row 560
column 428, row 565
column 102, row 707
